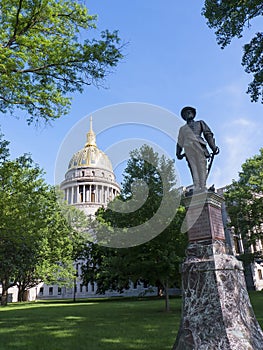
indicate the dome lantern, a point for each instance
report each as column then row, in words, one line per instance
column 90, row 156
column 91, row 136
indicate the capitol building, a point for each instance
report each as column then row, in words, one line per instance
column 90, row 181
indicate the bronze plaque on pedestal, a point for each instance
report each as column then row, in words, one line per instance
column 204, row 222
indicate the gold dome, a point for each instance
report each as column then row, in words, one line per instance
column 90, row 155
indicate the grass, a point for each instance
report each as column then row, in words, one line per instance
column 95, row 324
column 256, row 299
column 104, row 325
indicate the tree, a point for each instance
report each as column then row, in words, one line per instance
column 229, row 18
column 44, row 58
column 59, row 245
column 36, row 241
column 156, row 262
column 244, row 200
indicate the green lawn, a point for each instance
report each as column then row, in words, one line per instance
column 94, row 325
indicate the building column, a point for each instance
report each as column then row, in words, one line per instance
column 105, row 194
column 72, row 195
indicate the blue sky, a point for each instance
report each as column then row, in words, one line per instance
column 171, row 60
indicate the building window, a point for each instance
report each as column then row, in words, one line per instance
column 41, row 291
column 260, row 275
column 50, row 291
column 237, row 246
column 81, row 193
column 92, row 195
column 81, row 288
column 59, row 290
column 87, row 288
column 92, row 287
column 83, row 173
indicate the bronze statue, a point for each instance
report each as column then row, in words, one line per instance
column 195, row 151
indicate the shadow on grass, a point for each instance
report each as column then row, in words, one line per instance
column 92, row 325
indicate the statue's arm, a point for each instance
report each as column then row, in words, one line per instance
column 179, row 150
column 209, row 137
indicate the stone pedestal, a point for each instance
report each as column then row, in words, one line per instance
column 216, row 311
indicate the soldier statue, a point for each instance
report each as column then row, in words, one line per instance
column 190, row 141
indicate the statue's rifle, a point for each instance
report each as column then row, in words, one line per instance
column 212, row 156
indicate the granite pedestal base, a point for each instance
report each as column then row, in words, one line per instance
column 216, row 310
column 217, row 314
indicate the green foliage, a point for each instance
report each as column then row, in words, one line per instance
column 146, row 177
column 244, row 200
column 44, row 58
column 253, row 62
column 229, row 18
column 37, row 243
column 155, row 262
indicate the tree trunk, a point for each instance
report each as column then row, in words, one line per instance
column 4, row 298
column 20, row 294
column 25, row 295
column 167, row 300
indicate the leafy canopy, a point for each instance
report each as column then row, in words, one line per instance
column 44, row 57
column 244, row 199
column 229, row 18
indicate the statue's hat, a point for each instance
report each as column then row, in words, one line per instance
column 186, row 109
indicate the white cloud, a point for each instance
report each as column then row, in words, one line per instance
column 244, row 122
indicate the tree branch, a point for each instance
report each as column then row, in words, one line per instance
column 39, row 69
column 9, row 101
column 30, row 23
column 17, row 17
column 255, row 13
column 13, row 38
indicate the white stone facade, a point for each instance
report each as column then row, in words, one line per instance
column 79, row 291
